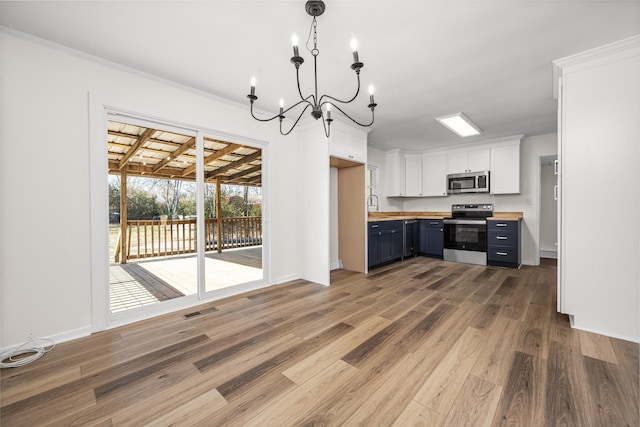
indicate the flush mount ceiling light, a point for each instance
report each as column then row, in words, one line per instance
column 460, row 124
column 315, row 9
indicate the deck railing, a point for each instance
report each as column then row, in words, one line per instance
column 153, row 238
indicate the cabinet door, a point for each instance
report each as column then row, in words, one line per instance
column 422, row 236
column 349, row 146
column 479, row 160
column 413, row 175
column 434, row 175
column 358, row 145
column 435, row 241
column 374, row 249
column 397, row 243
column 505, row 169
column 458, row 162
column 395, row 174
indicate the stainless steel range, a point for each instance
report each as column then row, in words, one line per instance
column 465, row 233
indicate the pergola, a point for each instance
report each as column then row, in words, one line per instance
column 152, row 153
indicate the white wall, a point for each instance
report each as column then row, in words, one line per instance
column 599, row 155
column 45, row 210
column 527, row 201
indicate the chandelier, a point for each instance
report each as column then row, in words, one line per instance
column 320, row 106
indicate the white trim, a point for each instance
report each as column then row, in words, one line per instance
column 548, row 254
column 118, row 66
column 58, row 338
column 286, row 278
column 594, row 57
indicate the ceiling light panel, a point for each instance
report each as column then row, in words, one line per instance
column 460, row 124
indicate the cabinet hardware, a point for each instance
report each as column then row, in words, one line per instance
column 434, row 223
column 555, row 167
column 501, row 237
column 501, row 224
column 375, row 226
column 502, row 253
column 555, row 192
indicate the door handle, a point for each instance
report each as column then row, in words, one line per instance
column 555, row 192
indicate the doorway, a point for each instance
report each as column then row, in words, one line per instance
column 185, row 216
column 548, row 246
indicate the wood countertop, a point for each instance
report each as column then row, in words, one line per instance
column 506, row 216
column 390, row 216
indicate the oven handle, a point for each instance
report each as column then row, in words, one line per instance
column 465, row 221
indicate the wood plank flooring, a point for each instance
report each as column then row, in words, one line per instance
column 420, row 342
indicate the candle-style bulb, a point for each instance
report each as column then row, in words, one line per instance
column 253, row 85
column 329, row 112
column 371, row 101
column 281, row 102
column 370, row 89
column 354, row 47
column 294, row 42
column 281, row 109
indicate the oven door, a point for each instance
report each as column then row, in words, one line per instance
column 465, row 234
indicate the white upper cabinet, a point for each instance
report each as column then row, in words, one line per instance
column 434, row 175
column 505, row 169
column 424, row 174
column 468, row 161
column 413, row 175
column 395, row 173
column 349, row 144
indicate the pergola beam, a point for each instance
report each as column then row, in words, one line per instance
column 212, row 157
column 164, row 162
column 135, row 147
column 247, row 159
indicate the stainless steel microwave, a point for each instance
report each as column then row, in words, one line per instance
column 468, row 182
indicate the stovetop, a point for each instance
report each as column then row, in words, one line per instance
column 480, row 211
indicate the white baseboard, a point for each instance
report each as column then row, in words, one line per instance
column 286, row 278
column 549, row 254
column 57, row 338
column 336, row 265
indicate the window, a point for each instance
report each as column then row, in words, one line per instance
column 371, row 185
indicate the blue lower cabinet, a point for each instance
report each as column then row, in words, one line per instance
column 386, row 242
column 503, row 243
column 431, row 237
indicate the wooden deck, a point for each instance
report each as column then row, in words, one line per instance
column 419, row 342
column 136, row 284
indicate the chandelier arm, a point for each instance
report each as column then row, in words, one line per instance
column 297, row 120
column 309, row 104
column 262, row 120
column 355, row 121
column 339, row 100
column 300, row 90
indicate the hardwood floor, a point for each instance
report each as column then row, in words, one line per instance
column 421, row 342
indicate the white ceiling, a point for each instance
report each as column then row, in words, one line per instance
column 488, row 59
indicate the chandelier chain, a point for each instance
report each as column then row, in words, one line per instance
column 313, row 29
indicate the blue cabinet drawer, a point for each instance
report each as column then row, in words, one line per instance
column 502, row 254
column 511, row 226
column 502, row 238
column 379, row 226
column 433, row 223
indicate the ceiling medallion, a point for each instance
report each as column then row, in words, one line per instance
column 320, row 106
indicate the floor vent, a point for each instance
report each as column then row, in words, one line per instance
column 198, row 313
